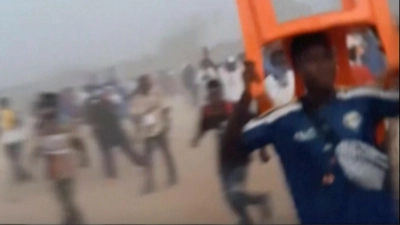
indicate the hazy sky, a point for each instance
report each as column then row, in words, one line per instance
column 44, row 37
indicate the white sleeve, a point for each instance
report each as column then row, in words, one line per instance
column 116, row 99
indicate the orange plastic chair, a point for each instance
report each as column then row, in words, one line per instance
column 260, row 27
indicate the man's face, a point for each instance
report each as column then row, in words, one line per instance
column 317, row 67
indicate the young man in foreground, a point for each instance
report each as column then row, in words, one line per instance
column 313, row 135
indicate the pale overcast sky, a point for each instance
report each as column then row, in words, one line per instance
column 44, row 37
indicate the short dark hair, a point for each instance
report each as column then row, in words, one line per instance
column 213, row 84
column 302, row 42
column 48, row 100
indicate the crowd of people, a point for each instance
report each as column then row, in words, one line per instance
column 305, row 133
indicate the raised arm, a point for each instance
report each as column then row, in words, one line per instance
column 240, row 130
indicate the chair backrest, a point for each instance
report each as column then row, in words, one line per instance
column 260, row 27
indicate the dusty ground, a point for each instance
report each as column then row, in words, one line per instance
column 197, row 197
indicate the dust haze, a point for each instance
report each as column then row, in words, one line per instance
column 45, row 47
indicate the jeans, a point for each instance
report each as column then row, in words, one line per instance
column 14, row 154
column 151, row 144
column 107, row 145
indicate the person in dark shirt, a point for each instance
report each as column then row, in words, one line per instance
column 108, row 132
column 232, row 164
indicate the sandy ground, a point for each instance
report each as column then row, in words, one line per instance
column 197, row 198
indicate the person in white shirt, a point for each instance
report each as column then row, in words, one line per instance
column 231, row 78
column 206, row 73
column 13, row 136
column 280, row 82
column 150, row 115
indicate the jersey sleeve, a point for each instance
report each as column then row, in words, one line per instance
column 386, row 104
column 381, row 103
column 256, row 134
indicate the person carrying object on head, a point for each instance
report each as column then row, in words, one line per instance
column 326, row 141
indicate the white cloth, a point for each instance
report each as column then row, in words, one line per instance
column 116, row 98
column 13, row 136
column 355, row 40
column 232, row 82
column 278, row 94
column 362, row 164
column 56, row 144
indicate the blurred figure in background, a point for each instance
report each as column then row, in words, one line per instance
column 361, row 74
column 151, row 117
column 207, row 71
column 70, row 114
column 356, row 42
column 230, row 74
column 189, row 81
column 12, row 134
column 373, row 57
column 232, row 167
column 107, row 131
column 120, row 95
column 279, row 82
column 54, row 143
